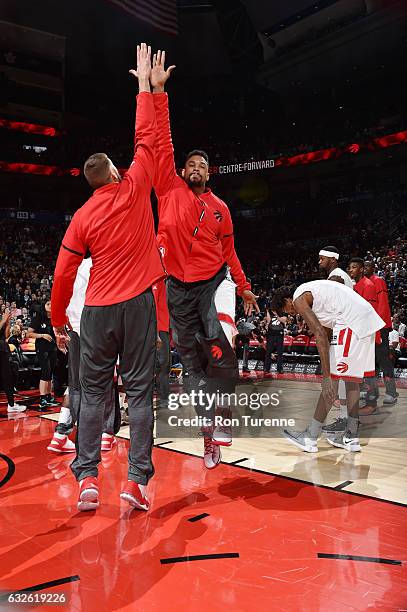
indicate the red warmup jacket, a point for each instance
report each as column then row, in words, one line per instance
column 383, row 307
column 160, row 296
column 116, row 224
column 366, row 289
column 196, row 232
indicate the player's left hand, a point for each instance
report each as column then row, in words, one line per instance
column 159, row 75
column 62, row 338
column 249, row 302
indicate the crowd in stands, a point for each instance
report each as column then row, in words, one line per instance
column 391, row 264
column 27, row 260
column 28, row 252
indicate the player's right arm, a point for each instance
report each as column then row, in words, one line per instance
column 166, row 172
column 302, row 306
column 141, row 172
column 382, row 294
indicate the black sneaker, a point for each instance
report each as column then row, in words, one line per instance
column 337, row 426
column 43, row 406
column 52, row 403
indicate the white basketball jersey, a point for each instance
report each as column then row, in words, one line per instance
column 342, row 274
column 335, row 304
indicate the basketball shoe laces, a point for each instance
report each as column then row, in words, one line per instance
column 208, row 445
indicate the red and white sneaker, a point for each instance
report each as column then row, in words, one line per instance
column 88, row 494
column 212, row 454
column 61, row 445
column 132, row 494
column 108, row 442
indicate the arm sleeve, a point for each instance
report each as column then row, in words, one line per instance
column 383, row 296
column 141, row 171
column 70, row 256
column 166, row 173
column 229, row 253
column 371, row 297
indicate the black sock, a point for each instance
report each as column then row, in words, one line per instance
column 48, row 397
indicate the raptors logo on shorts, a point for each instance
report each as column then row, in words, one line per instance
column 216, row 351
column 342, row 367
column 358, row 352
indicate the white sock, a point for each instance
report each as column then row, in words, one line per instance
column 64, row 415
column 59, row 436
column 142, row 489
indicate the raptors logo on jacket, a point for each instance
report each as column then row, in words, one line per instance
column 216, row 352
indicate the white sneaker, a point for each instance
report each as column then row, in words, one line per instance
column 302, row 439
column 348, row 441
column 16, row 408
column 389, row 400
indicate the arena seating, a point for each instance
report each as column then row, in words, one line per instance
column 300, row 344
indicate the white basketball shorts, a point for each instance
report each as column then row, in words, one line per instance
column 351, row 358
column 225, row 302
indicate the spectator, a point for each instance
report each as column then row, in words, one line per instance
column 41, row 329
column 275, row 340
column 6, row 374
column 26, row 301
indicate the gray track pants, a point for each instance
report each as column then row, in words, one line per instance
column 127, row 330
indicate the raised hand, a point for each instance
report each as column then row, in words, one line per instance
column 143, row 67
column 159, row 75
column 6, row 315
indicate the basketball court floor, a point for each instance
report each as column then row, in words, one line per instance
column 271, row 528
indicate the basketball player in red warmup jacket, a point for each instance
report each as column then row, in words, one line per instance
column 366, row 289
column 196, row 231
column 116, row 225
column 383, row 350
